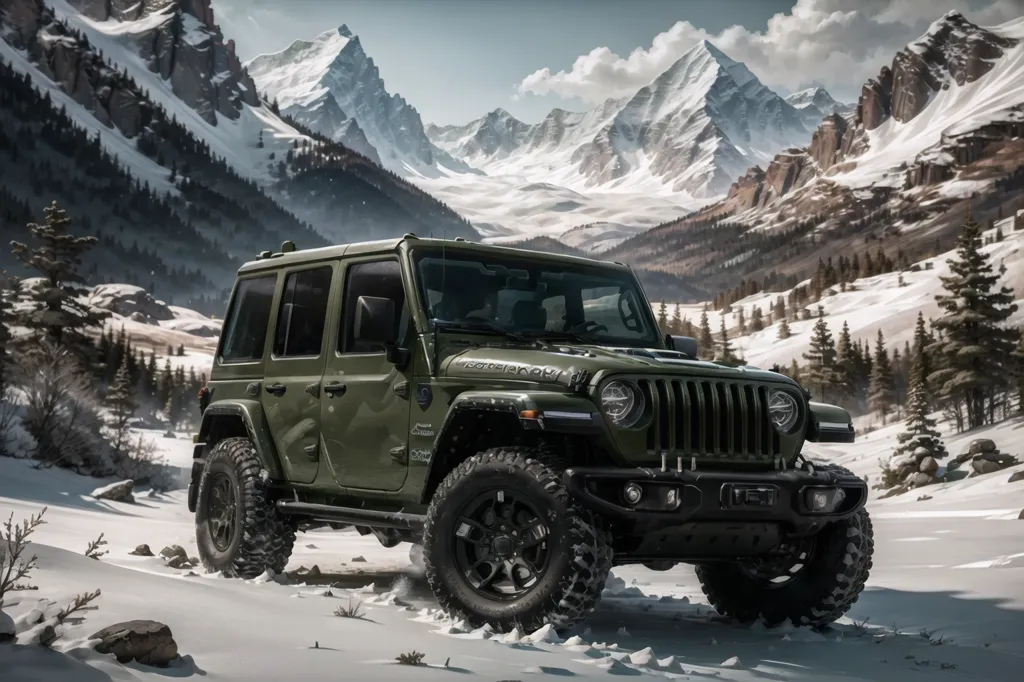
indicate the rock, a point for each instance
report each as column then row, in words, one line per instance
column 920, row 452
column 47, row 636
column 984, row 466
column 928, row 466
column 893, row 492
column 958, row 461
column 179, row 562
column 7, row 629
column 1016, row 476
column 358, row 560
column 142, row 550
column 1002, row 459
column 921, row 479
column 116, row 492
column 125, row 299
column 144, row 641
column 172, row 551
column 169, row 434
column 827, row 140
column 905, row 471
column 979, row 445
column 1020, row 517
column 924, row 498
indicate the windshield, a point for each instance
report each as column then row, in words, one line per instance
column 535, row 299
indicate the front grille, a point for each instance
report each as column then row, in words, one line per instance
column 706, row 418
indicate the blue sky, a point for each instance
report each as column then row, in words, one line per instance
column 455, row 60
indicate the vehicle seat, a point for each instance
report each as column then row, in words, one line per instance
column 528, row 316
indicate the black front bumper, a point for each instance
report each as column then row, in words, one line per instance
column 709, row 495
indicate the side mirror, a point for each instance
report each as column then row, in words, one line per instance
column 683, row 344
column 375, row 320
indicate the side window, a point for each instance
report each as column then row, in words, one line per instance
column 246, row 328
column 300, row 320
column 382, row 279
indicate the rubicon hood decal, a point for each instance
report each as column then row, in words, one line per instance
column 518, row 369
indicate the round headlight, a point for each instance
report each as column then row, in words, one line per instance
column 783, row 411
column 622, row 402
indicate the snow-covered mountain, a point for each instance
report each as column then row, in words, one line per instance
column 941, row 125
column 331, row 85
column 692, row 130
column 817, row 103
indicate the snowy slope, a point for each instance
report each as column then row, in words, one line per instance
column 330, row 81
column 869, row 304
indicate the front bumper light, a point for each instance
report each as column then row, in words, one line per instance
column 623, row 403
column 784, row 411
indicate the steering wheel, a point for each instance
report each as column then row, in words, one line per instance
column 628, row 313
column 586, row 327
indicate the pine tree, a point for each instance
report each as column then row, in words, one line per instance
column 676, row 325
column 972, row 358
column 920, row 431
column 1018, row 367
column 725, row 352
column 663, row 318
column 121, row 403
column 706, row 342
column 922, row 339
column 794, row 371
column 756, row 320
column 56, row 310
column 8, row 293
column 784, row 332
column 880, row 391
column 821, row 357
column 846, row 365
column 741, row 322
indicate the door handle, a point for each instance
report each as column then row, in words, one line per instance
column 335, row 388
column 276, row 389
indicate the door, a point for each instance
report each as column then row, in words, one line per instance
column 365, row 407
column 291, row 393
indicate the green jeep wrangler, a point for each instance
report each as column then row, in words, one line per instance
column 519, row 418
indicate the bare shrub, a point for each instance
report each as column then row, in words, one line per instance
column 94, row 550
column 411, row 658
column 13, row 543
column 353, row 610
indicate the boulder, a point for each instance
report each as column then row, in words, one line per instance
column 7, row 629
column 179, row 561
column 172, row 551
column 1016, row 476
column 928, row 466
column 920, row 479
column 1000, row 458
column 1020, row 517
column 144, row 641
column 958, row 461
column 979, row 445
column 126, row 300
column 984, row 466
column 116, row 492
column 142, row 550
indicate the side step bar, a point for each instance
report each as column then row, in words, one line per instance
column 353, row 516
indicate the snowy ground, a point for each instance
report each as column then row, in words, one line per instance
column 948, row 577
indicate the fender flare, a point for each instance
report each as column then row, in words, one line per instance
column 543, row 411
column 250, row 412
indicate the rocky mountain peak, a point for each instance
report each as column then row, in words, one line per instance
column 345, row 32
column 952, row 50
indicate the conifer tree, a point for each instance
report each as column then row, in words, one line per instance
column 8, row 294
column 821, row 357
column 121, row 403
column 846, row 365
column 741, row 322
column 676, row 325
column 1018, row 370
column 706, row 342
column 663, row 318
column 972, row 357
column 756, row 320
column 880, row 391
column 725, row 352
column 56, row 311
column 784, row 332
column 920, row 431
column 794, row 371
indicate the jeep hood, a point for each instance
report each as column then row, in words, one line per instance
column 556, row 364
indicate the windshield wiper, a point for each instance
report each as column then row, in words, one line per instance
column 480, row 326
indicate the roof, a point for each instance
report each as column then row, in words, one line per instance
column 388, row 246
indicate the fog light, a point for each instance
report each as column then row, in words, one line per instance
column 824, row 500
column 632, row 492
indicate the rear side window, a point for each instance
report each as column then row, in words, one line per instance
column 300, row 320
column 382, row 279
column 246, row 328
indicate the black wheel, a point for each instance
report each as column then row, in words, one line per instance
column 238, row 530
column 814, row 582
column 504, row 544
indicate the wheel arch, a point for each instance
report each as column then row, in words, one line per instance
column 238, row 419
column 478, row 420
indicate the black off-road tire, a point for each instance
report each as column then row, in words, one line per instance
column 822, row 592
column 263, row 538
column 580, row 550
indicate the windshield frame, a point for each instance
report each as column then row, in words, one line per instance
column 617, row 275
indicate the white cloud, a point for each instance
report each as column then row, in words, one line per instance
column 835, row 43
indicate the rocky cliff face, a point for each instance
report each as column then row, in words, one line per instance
column 181, row 42
column 827, row 141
